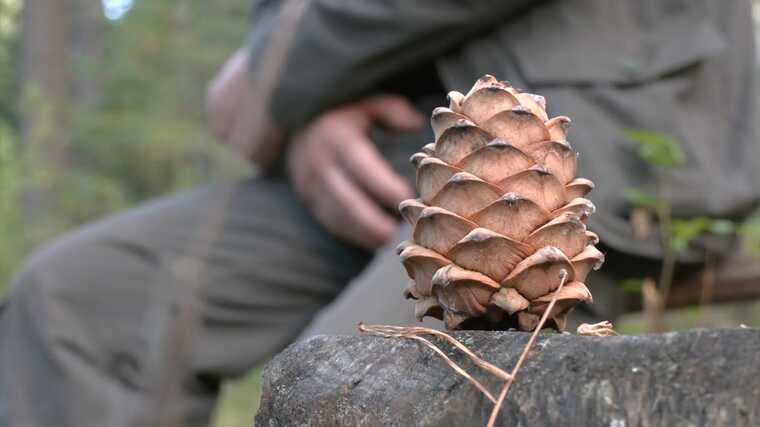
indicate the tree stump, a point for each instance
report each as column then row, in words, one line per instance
column 694, row 378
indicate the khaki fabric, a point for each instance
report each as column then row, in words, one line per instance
column 683, row 68
column 686, row 68
column 88, row 318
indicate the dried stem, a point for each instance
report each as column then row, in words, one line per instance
column 653, row 306
column 524, row 355
column 664, row 215
column 411, row 331
column 380, row 330
column 708, row 287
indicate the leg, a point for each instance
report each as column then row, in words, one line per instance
column 86, row 320
column 375, row 296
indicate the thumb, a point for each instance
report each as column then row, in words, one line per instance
column 394, row 111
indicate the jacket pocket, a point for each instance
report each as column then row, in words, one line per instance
column 598, row 42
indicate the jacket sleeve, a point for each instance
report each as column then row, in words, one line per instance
column 342, row 48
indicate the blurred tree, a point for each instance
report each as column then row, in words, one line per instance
column 87, row 32
column 98, row 115
column 44, row 125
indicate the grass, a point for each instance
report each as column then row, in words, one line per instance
column 724, row 315
column 239, row 401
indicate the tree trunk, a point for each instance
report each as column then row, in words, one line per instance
column 61, row 43
column 87, row 34
column 45, row 94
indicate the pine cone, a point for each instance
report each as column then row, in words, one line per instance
column 500, row 214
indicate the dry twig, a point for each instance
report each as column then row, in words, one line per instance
column 401, row 332
column 653, row 302
column 708, row 289
column 412, row 331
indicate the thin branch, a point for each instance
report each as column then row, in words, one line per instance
column 708, row 288
column 524, row 355
column 652, row 306
column 664, row 214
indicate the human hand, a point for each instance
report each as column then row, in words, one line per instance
column 342, row 177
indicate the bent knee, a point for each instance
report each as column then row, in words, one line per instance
column 81, row 265
column 49, row 269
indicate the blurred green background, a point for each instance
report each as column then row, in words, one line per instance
column 122, row 118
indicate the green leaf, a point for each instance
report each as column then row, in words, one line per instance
column 631, row 285
column 691, row 227
column 679, row 244
column 749, row 231
column 722, row 227
column 640, row 198
column 657, row 149
column 683, row 231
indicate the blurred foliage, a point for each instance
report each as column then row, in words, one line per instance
column 657, row 149
column 663, row 153
column 723, row 315
column 631, row 285
column 683, row 231
column 640, row 198
column 750, row 232
column 10, row 220
column 142, row 135
column 147, row 133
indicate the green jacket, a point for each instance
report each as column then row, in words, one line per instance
column 684, row 67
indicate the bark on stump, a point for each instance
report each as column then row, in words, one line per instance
column 699, row 378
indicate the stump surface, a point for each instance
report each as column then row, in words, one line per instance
column 694, row 378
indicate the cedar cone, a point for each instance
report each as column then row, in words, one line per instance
column 500, row 214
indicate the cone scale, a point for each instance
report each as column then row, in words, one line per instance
column 500, row 214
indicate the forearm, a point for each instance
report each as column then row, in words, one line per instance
column 344, row 48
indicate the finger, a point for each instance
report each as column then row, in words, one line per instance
column 362, row 161
column 350, row 214
column 394, row 111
